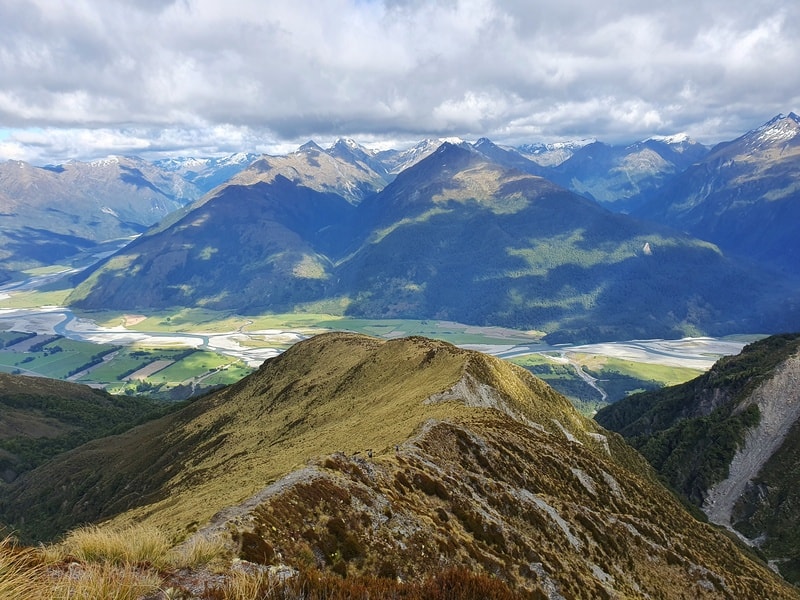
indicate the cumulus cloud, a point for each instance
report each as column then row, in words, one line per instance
column 91, row 77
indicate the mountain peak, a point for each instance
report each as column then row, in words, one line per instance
column 310, row 146
column 455, row 143
column 779, row 129
column 347, row 143
column 484, row 143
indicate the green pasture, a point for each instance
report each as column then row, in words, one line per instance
column 58, row 359
column 35, row 299
column 199, row 320
column 616, row 377
column 662, row 374
column 200, row 365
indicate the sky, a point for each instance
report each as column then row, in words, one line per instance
column 88, row 78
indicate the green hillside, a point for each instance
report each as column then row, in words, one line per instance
column 40, row 418
column 397, row 459
column 691, row 432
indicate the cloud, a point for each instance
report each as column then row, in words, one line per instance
column 91, row 77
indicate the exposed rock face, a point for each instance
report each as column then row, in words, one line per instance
column 778, row 401
column 730, row 441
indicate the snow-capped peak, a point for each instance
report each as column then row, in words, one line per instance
column 677, row 138
column 111, row 159
column 781, row 128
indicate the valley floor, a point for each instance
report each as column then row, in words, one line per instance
column 256, row 345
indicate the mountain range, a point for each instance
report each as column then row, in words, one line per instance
column 397, row 460
column 50, row 214
column 394, row 461
column 464, row 234
column 742, row 196
column 471, row 232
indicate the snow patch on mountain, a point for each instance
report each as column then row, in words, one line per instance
column 780, row 129
column 554, row 153
column 105, row 162
column 678, row 138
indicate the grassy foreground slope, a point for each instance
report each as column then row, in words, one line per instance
column 398, row 459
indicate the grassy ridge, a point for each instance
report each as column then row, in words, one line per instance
column 395, row 459
column 335, row 392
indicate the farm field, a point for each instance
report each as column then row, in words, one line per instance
column 167, row 373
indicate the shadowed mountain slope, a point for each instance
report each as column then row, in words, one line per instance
column 623, row 177
column 39, row 418
column 509, row 158
column 246, row 248
column 457, row 237
column 744, row 196
column 400, row 458
column 729, row 441
column 461, row 238
column 50, row 213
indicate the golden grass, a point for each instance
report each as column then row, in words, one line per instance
column 200, row 551
column 243, row 585
column 26, row 574
column 354, row 394
column 19, row 574
column 104, row 580
column 138, row 544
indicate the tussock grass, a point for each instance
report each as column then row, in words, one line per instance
column 19, row 573
column 138, row 544
column 248, row 586
column 199, row 551
column 103, row 580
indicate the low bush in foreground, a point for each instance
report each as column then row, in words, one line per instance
column 451, row 584
column 136, row 563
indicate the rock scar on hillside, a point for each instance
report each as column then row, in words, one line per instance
column 778, row 400
column 218, row 525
